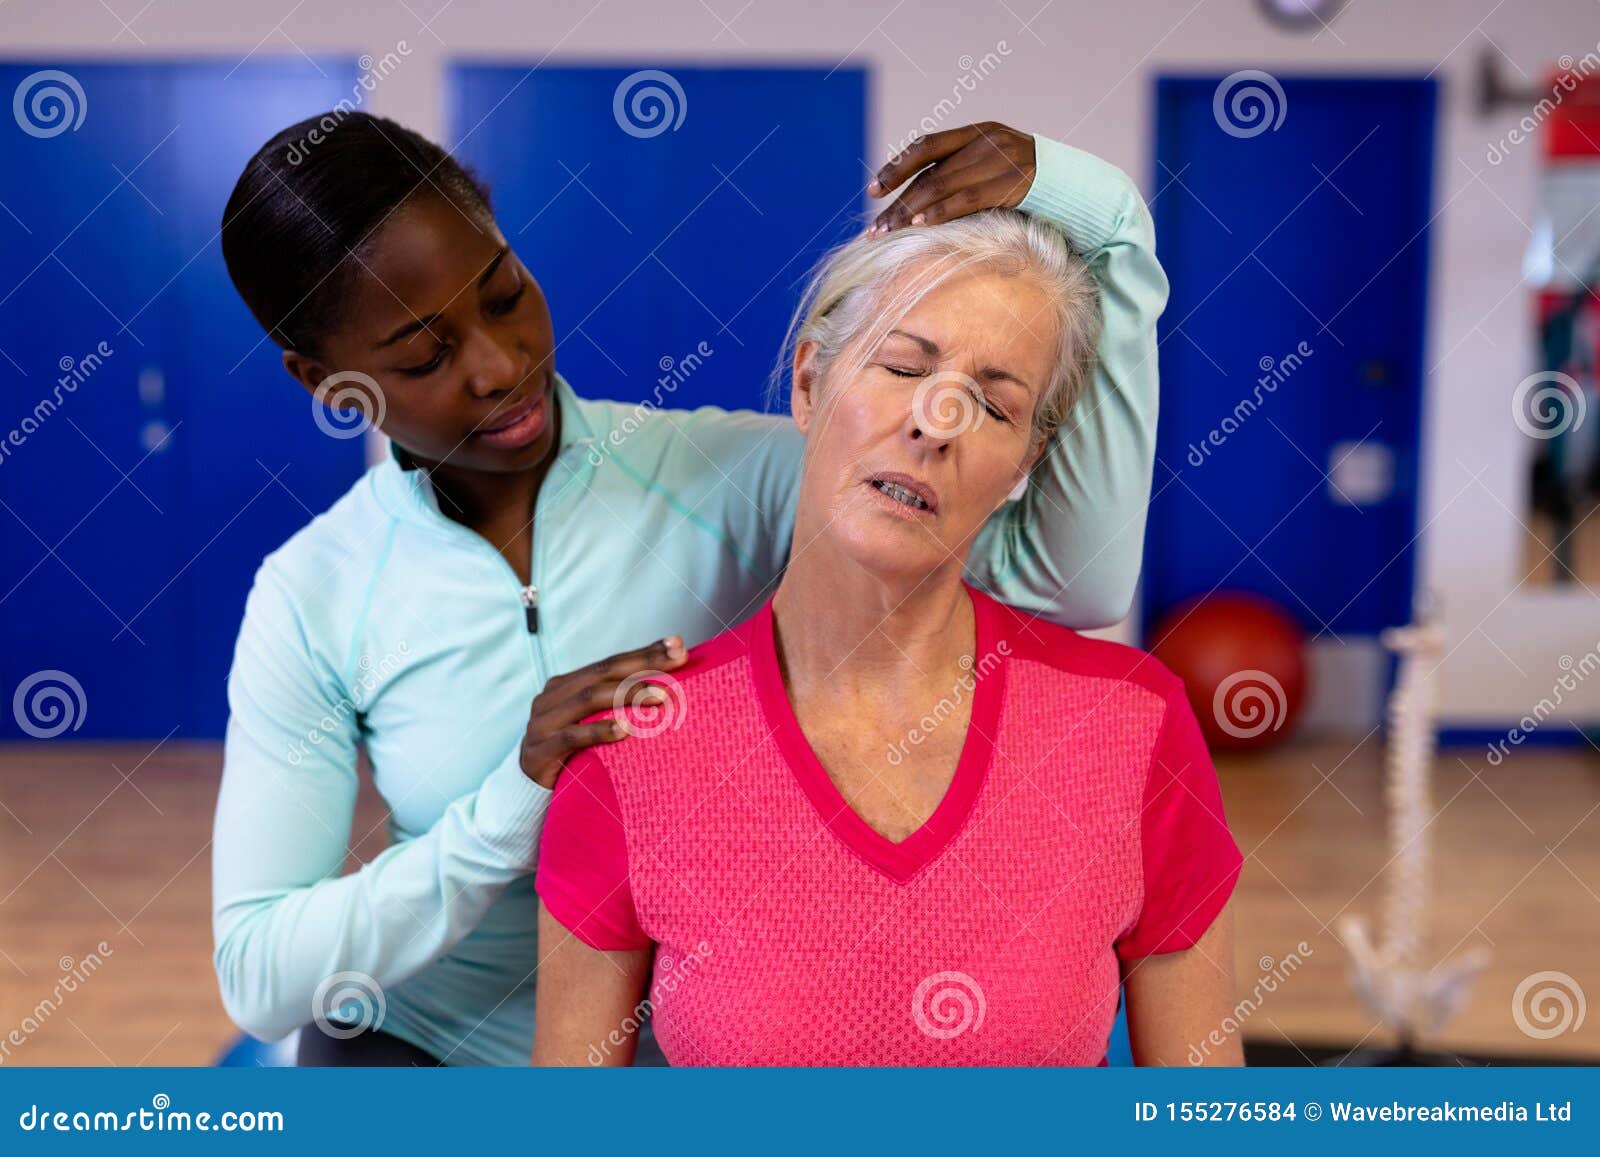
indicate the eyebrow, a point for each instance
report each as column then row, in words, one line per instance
column 422, row 323
column 987, row 373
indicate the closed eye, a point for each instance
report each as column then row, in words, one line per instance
column 427, row 367
column 506, row 304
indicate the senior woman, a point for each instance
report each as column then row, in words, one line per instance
column 887, row 819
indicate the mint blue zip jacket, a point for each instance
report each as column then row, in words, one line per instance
column 385, row 626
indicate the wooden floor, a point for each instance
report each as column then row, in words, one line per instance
column 111, row 844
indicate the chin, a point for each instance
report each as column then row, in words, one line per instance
column 888, row 548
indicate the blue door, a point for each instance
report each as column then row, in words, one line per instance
column 153, row 449
column 668, row 209
column 1292, row 217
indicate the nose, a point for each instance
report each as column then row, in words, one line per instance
column 494, row 365
column 941, row 411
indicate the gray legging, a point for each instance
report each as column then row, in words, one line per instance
column 370, row 1048
column 376, row 1048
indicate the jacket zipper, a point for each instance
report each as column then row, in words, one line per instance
column 530, row 607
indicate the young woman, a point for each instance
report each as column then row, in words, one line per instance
column 892, row 821
column 454, row 612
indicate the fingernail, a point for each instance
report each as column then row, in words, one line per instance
column 920, row 219
column 876, row 187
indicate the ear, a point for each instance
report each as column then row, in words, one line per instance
column 307, row 371
column 1033, row 457
column 803, row 398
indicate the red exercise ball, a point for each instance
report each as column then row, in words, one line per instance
column 1242, row 659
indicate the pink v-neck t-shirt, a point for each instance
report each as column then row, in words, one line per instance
column 1083, row 828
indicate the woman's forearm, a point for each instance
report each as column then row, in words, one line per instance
column 1071, row 547
column 1180, row 1003
column 284, row 920
column 589, row 1004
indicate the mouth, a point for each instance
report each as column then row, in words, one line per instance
column 516, row 426
column 904, row 495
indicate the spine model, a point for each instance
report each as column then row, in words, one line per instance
column 1390, row 977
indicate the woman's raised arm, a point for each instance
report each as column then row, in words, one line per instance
column 1070, row 548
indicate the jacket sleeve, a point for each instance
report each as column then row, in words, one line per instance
column 286, row 922
column 1070, row 547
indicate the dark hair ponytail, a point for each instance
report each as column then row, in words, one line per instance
column 316, row 193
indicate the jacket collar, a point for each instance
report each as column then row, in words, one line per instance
column 405, row 490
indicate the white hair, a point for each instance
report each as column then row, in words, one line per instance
column 862, row 289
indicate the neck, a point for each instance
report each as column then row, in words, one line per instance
column 479, row 499
column 842, row 631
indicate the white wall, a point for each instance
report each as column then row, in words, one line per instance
column 1081, row 72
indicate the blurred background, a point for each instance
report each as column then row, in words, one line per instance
column 1381, row 223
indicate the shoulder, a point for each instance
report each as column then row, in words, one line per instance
column 351, row 531
column 697, row 694
column 646, row 437
column 1069, row 655
column 320, row 577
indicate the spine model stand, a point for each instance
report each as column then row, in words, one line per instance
column 1390, row 977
